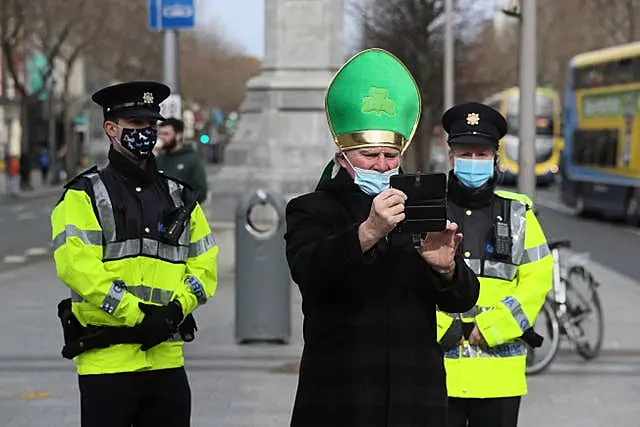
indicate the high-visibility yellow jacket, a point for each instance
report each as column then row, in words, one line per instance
column 110, row 266
column 511, row 296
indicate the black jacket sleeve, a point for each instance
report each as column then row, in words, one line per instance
column 316, row 254
column 461, row 293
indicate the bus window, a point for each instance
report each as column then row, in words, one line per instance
column 544, row 106
column 544, row 114
column 595, row 147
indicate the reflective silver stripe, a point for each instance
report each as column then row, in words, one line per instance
column 158, row 296
column 474, row 311
column 503, row 350
column 184, row 238
column 535, row 254
column 175, row 191
column 104, row 207
column 88, row 237
column 474, row 264
column 76, row 298
column 196, row 288
column 175, row 337
column 499, row 270
column 201, row 245
column 147, row 293
column 516, row 311
column 117, row 250
column 145, row 247
column 112, row 299
column 492, row 269
column 518, row 226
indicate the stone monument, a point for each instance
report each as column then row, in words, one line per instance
column 283, row 141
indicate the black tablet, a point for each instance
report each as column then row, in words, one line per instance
column 426, row 204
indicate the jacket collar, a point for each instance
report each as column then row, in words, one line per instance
column 474, row 198
column 131, row 171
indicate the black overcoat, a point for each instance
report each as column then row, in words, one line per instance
column 370, row 355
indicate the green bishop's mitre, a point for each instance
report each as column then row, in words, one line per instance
column 373, row 101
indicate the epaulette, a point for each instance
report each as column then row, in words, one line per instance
column 515, row 196
column 173, row 178
column 92, row 169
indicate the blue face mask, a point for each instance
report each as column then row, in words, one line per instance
column 373, row 182
column 473, row 173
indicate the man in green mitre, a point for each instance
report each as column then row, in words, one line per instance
column 371, row 358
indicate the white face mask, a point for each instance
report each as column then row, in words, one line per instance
column 370, row 181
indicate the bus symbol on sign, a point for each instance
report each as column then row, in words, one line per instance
column 177, row 11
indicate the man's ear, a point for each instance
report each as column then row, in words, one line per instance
column 339, row 157
column 110, row 128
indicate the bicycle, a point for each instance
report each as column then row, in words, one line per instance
column 565, row 309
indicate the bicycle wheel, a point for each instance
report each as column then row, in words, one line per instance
column 584, row 306
column 539, row 359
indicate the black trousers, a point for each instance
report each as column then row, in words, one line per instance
column 140, row 399
column 496, row 412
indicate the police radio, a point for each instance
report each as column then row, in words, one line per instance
column 502, row 234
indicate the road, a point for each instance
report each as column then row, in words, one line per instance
column 612, row 244
column 25, row 230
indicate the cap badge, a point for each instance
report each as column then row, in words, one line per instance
column 473, row 119
column 147, row 98
column 378, row 102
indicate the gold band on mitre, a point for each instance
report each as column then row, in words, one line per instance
column 371, row 138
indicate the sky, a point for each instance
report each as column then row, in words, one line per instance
column 242, row 21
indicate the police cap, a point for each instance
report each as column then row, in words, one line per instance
column 139, row 99
column 474, row 123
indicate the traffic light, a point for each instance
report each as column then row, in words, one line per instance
column 204, row 139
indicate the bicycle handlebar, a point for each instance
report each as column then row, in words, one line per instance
column 559, row 244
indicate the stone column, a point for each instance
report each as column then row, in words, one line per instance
column 283, row 141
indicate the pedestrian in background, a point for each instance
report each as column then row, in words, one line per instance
column 179, row 160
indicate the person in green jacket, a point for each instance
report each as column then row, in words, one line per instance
column 179, row 160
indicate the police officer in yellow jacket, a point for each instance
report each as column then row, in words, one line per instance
column 505, row 246
column 138, row 255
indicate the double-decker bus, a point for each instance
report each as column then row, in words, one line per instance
column 548, row 142
column 601, row 159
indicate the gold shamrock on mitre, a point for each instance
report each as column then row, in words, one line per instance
column 473, row 119
column 147, row 98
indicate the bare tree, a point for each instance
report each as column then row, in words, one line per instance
column 565, row 28
column 413, row 31
column 127, row 48
column 61, row 31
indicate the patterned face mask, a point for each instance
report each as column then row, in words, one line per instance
column 139, row 142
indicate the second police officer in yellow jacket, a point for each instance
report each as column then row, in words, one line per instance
column 485, row 357
column 137, row 253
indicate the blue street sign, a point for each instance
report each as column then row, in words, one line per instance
column 172, row 14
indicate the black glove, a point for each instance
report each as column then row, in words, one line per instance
column 532, row 338
column 159, row 323
column 467, row 328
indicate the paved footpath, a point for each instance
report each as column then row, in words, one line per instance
column 239, row 386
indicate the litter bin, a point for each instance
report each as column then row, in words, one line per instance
column 263, row 281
